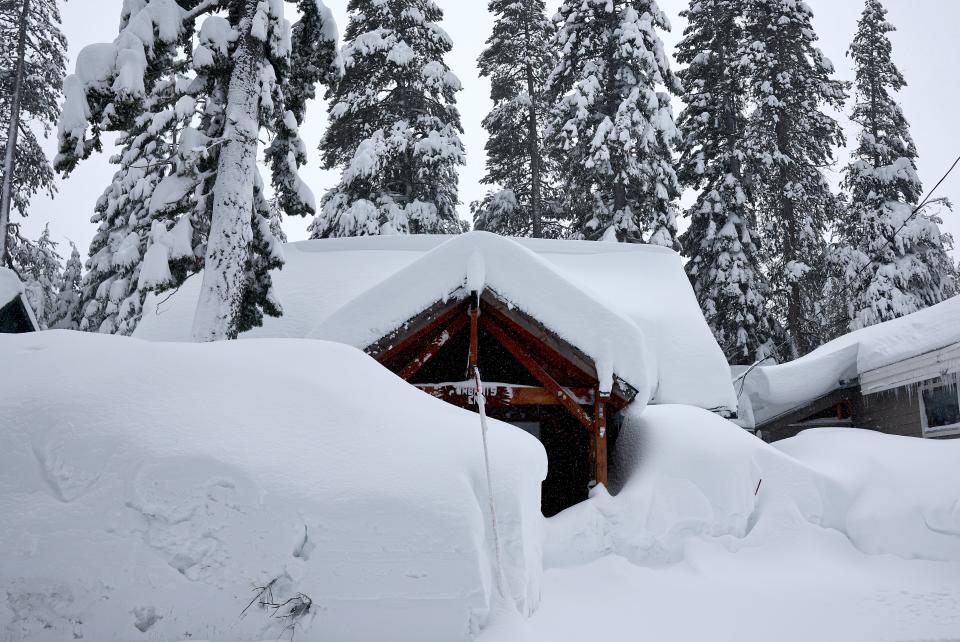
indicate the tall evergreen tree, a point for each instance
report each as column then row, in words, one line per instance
column 394, row 129
column 67, row 313
column 893, row 258
column 218, row 97
column 722, row 242
column 32, row 64
column 611, row 125
column 113, row 292
column 788, row 140
column 517, row 60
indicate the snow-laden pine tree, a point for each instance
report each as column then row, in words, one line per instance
column 214, row 76
column 722, row 242
column 394, row 129
column 32, row 64
column 517, row 60
column 611, row 125
column 40, row 268
column 893, row 257
column 113, row 291
column 789, row 140
column 67, row 313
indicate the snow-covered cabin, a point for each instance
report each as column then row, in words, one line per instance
column 566, row 334
column 16, row 315
column 899, row 377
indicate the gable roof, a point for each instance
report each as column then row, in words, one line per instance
column 628, row 307
column 775, row 389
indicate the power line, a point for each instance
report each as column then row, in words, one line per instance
column 913, row 213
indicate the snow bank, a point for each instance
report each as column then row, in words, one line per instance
column 891, row 494
column 629, row 306
column 777, row 388
column 146, row 488
column 681, row 475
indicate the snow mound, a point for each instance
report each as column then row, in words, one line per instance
column 147, row 488
column 682, row 474
column 778, row 388
column 892, row 494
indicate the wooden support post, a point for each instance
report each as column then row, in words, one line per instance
column 474, row 333
column 600, row 437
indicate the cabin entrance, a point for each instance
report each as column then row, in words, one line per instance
column 531, row 379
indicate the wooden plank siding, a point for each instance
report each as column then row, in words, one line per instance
column 895, row 412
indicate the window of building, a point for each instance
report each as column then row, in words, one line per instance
column 940, row 407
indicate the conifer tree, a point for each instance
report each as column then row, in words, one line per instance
column 394, row 129
column 517, row 60
column 893, row 257
column 113, row 292
column 67, row 313
column 210, row 103
column 611, row 124
column 32, row 64
column 788, row 140
column 722, row 242
column 40, row 268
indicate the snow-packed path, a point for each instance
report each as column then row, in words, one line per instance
column 815, row 586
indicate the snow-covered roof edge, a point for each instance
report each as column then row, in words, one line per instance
column 481, row 260
column 783, row 387
column 11, row 287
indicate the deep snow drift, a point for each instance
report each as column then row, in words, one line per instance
column 146, row 488
column 681, row 472
column 145, row 497
column 837, row 534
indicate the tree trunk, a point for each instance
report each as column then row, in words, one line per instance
column 791, row 252
column 533, row 141
column 231, row 233
column 617, row 161
column 13, row 131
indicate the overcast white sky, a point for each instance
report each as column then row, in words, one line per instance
column 925, row 48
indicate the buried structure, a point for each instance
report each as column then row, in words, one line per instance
column 16, row 315
column 900, row 377
column 566, row 334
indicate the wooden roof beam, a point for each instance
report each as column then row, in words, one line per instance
column 563, row 397
column 499, row 394
column 432, row 348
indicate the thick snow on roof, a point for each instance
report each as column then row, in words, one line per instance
column 147, row 488
column 777, row 388
column 629, row 307
column 10, row 285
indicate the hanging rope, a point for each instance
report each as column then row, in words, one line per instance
column 498, row 555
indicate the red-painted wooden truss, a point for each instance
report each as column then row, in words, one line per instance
column 567, row 377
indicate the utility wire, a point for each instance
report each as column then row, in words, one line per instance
column 913, row 213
